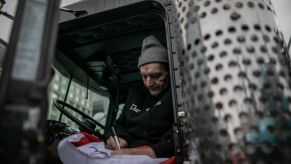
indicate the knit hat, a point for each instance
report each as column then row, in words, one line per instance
column 152, row 52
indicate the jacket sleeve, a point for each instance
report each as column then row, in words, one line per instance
column 120, row 125
column 121, row 122
column 165, row 148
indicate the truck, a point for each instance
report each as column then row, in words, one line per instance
column 69, row 68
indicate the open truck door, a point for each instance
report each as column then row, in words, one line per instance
column 24, row 79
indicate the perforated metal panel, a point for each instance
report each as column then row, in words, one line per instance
column 236, row 86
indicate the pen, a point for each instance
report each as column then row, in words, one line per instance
column 115, row 137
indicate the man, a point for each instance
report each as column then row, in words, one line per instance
column 147, row 116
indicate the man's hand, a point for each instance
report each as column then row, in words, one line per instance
column 111, row 144
column 148, row 151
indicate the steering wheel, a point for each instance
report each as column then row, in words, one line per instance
column 60, row 105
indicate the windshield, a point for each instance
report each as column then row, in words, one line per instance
column 87, row 101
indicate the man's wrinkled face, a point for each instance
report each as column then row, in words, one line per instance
column 155, row 77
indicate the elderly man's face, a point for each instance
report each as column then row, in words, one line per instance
column 154, row 76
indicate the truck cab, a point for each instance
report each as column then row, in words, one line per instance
column 97, row 56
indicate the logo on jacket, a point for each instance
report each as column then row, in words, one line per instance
column 134, row 108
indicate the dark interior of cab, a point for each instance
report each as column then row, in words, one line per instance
column 105, row 46
column 100, row 52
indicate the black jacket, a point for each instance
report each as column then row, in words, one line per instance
column 147, row 120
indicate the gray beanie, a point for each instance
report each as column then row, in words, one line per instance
column 152, row 52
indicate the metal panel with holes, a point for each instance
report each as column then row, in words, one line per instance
column 236, row 82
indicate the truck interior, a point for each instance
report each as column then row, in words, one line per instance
column 94, row 66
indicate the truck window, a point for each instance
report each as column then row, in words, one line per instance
column 89, row 102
